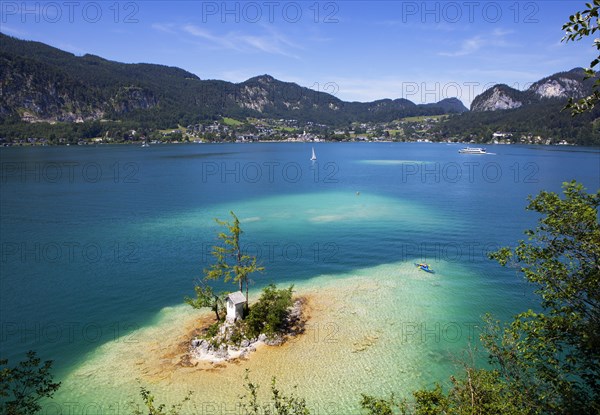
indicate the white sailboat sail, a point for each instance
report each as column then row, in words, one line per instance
column 314, row 157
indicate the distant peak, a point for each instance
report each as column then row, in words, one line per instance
column 92, row 57
column 451, row 99
column 262, row 78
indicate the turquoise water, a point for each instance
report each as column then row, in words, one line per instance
column 96, row 243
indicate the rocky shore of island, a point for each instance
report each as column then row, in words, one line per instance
column 226, row 345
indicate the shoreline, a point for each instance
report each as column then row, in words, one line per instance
column 200, row 350
column 349, row 336
column 139, row 143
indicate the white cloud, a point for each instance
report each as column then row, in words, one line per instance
column 468, row 47
column 271, row 42
column 498, row 32
column 222, row 42
column 164, row 27
column 496, row 38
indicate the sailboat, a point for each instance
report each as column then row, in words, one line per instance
column 313, row 157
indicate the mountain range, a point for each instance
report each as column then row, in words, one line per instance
column 536, row 114
column 40, row 84
column 559, row 86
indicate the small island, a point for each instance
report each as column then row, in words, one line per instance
column 239, row 328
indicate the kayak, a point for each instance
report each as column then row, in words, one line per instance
column 425, row 267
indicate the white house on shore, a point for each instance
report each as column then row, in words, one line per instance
column 235, row 306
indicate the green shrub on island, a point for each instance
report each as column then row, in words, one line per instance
column 212, row 330
column 236, row 334
column 269, row 315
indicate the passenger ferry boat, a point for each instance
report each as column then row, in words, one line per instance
column 472, row 150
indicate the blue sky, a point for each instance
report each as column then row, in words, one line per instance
column 357, row 50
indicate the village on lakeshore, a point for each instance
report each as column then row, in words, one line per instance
column 228, row 130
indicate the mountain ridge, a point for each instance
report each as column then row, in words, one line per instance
column 89, row 88
column 560, row 85
column 47, row 92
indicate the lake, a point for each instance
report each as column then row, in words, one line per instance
column 99, row 246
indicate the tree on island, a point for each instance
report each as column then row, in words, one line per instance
column 268, row 316
column 23, row 386
column 206, row 297
column 231, row 263
column 542, row 362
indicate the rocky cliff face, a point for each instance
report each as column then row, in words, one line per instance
column 560, row 86
column 36, row 95
column 263, row 93
column 499, row 97
column 41, row 93
column 255, row 97
column 132, row 98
